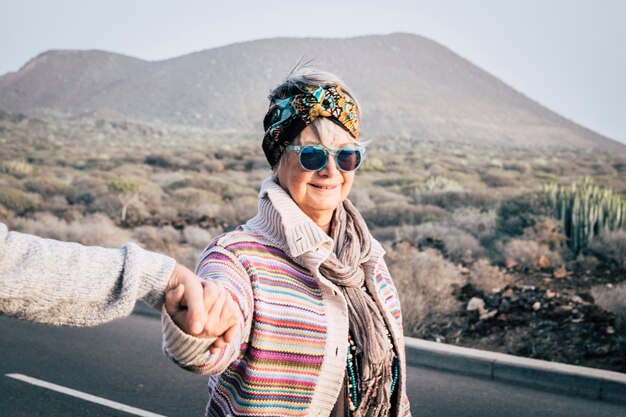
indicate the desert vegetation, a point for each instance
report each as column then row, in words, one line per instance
column 537, row 235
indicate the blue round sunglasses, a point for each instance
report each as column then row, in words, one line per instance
column 315, row 157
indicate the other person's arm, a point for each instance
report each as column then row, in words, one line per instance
column 63, row 283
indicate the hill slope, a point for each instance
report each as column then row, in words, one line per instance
column 408, row 85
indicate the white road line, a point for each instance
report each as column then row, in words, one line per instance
column 83, row 396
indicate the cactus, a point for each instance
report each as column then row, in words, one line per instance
column 586, row 210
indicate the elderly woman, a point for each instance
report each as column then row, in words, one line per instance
column 321, row 333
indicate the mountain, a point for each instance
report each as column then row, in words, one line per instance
column 408, row 86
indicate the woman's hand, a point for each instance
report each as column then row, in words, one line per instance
column 223, row 317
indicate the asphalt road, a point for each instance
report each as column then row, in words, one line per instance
column 122, row 362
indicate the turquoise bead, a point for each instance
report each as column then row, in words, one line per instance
column 353, row 392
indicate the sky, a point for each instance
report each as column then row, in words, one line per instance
column 569, row 55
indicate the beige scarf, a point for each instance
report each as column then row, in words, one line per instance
column 369, row 332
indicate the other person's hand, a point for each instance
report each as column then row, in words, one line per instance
column 223, row 317
column 192, row 299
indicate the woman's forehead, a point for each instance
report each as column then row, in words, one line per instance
column 331, row 138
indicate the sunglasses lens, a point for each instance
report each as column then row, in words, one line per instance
column 349, row 159
column 313, row 158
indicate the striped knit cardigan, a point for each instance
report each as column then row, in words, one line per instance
column 291, row 357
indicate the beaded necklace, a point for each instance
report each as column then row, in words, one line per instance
column 353, row 383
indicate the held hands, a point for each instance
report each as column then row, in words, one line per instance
column 203, row 309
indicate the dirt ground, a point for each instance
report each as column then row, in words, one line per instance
column 542, row 317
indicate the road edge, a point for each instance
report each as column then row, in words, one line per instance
column 537, row 374
column 534, row 373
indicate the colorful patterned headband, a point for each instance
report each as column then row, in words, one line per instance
column 287, row 117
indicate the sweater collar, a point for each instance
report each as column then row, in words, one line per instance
column 281, row 220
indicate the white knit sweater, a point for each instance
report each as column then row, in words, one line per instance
column 69, row 284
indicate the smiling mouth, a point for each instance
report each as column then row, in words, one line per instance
column 324, row 187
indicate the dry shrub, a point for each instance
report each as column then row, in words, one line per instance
column 493, row 179
column 545, row 177
column 237, row 211
column 94, row 230
column 107, row 204
column 138, row 213
column 439, row 183
column 160, row 239
column 17, row 201
column 495, row 163
column 10, row 182
column 487, row 277
column 435, row 168
column 456, row 244
column 620, row 166
column 244, row 165
column 17, row 168
column 527, row 254
column 399, row 213
column 196, row 203
column 587, row 262
column 600, row 169
column 516, row 213
column 548, row 231
column 612, row 246
column 256, row 163
column 381, row 195
column 167, row 179
column 130, row 170
column 360, row 197
column 184, row 248
column 151, row 195
column 226, row 189
column 522, row 168
column 453, row 200
column 388, row 234
column 167, row 214
column 547, row 167
column 479, row 223
column 373, row 163
column 610, row 298
column 394, row 182
column 87, row 189
column 56, row 204
column 213, row 166
column 432, row 184
column 146, row 205
column 198, row 237
column 5, row 213
column 48, row 186
column 165, row 160
column 254, row 179
column 425, row 282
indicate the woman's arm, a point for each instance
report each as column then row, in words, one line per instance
column 388, row 292
column 223, row 269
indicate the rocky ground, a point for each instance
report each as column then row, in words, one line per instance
column 543, row 316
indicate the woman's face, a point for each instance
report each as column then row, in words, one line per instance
column 317, row 193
